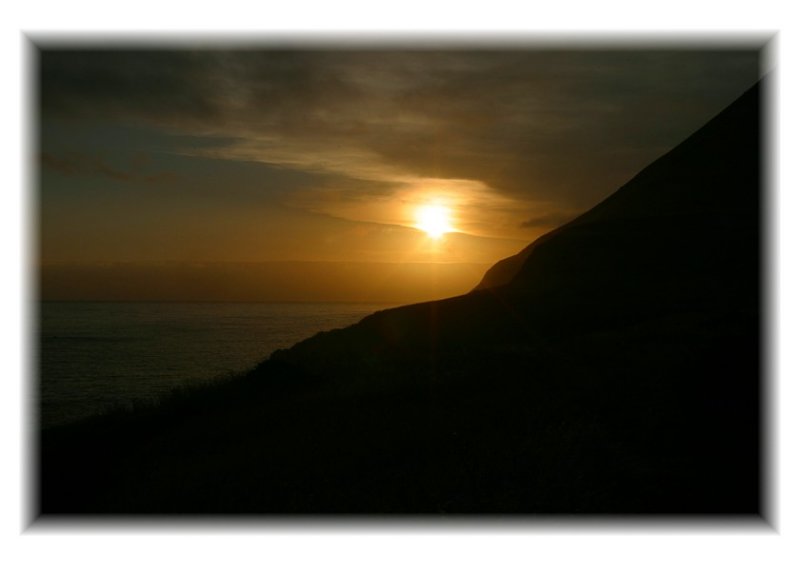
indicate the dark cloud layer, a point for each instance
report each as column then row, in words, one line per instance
column 546, row 220
column 555, row 129
column 77, row 164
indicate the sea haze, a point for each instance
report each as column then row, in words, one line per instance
column 98, row 355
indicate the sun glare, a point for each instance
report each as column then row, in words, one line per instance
column 434, row 220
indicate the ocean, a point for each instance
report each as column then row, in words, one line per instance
column 96, row 356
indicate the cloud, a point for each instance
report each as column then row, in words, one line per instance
column 548, row 220
column 77, row 164
column 525, row 127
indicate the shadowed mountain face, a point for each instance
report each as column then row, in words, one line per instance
column 679, row 214
column 612, row 366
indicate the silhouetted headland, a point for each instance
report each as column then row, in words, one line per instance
column 613, row 366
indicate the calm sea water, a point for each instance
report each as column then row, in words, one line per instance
column 93, row 356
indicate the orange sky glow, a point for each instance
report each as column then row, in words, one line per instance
column 276, row 174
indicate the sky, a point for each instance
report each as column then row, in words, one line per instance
column 210, row 173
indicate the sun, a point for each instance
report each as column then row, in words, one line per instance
column 434, row 220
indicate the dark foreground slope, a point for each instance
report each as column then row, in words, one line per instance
column 616, row 370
